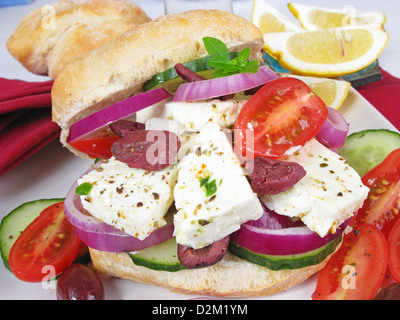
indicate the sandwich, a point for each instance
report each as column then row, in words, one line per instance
column 213, row 214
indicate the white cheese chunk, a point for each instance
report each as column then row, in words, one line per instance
column 192, row 116
column 212, row 195
column 132, row 200
column 329, row 193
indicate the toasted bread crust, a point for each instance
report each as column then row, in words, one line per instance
column 50, row 36
column 232, row 277
column 118, row 70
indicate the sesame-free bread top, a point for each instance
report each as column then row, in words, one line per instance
column 99, row 78
column 50, row 36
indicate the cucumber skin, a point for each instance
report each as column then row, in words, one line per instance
column 281, row 262
column 155, row 260
column 8, row 219
column 155, row 265
column 365, row 149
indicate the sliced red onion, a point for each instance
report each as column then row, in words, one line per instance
column 280, row 237
column 104, row 237
column 271, row 220
column 212, row 88
column 334, row 131
column 124, row 109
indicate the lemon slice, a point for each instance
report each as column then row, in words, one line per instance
column 317, row 18
column 327, row 53
column 268, row 19
column 333, row 92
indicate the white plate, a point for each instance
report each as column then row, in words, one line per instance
column 50, row 173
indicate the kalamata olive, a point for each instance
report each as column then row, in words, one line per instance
column 204, row 257
column 392, row 292
column 79, row 282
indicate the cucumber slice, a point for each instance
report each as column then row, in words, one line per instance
column 162, row 257
column 173, row 84
column 17, row 220
column 280, row 262
column 366, row 149
column 170, row 80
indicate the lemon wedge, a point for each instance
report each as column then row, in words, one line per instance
column 327, row 53
column 317, row 18
column 333, row 92
column 268, row 19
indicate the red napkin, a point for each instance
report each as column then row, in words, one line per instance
column 25, row 120
column 384, row 95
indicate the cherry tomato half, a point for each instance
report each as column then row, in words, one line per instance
column 283, row 114
column 50, row 240
column 98, row 145
column 394, row 251
column 382, row 206
column 356, row 270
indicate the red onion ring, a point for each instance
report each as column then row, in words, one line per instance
column 334, row 131
column 255, row 236
column 124, row 109
column 103, row 237
column 212, row 88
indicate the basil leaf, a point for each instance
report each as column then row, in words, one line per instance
column 220, row 59
column 244, row 54
column 219, row 73
column 215, row 47
column 83, row 189
column 219, row 62
column 231, row 69
column 251, row 66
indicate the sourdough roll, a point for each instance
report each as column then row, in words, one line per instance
column 99, row 78
column 50, row 36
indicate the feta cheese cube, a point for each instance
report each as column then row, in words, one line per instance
column 132, row 200
column 212, row 195
column 329, row 194
column 192, row 116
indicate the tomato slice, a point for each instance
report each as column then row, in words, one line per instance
column 382, row 206
column 394, row 251
column 283, row 114
column 50, row 240
column 356, row 270
column 98, row 145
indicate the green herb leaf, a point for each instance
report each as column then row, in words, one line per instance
column 251, row 66
column 219, row 62
column 218, row 73
column 244, row 54
column 215, row 47
column 83, row 189
column 209, row 186
column 219, row 59
column 203, row 181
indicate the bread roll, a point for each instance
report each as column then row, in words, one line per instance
column 232, row 277
column 50, row 36
column 99, row 78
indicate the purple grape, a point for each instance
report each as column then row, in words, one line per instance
column 79, row 282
